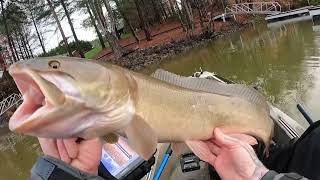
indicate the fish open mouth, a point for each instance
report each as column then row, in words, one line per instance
column 34, row 101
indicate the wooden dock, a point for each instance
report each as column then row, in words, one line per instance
column 305, row 13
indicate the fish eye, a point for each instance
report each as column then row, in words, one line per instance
column 54, row 64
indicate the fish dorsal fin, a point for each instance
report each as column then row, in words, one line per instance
column 212, row 86
column 141, row 137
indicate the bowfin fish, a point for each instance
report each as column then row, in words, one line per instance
column 73, row 97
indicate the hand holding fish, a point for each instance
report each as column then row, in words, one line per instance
column 234, row 158
column 84, row 155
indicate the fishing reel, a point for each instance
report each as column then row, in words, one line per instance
column 189, row 162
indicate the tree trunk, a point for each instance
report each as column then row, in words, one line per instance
column 143, row 23
column 200, row 16
column 112, row 18
column 99, row 14
column 93, row 22
column 24, row 47
column 19, row 46
column 60, row 28
column 115, row 46
column 156, row 11
column 164, row 12
column 14, row 48
column 25, row 39
column 188, row 14
column 24, row 44
column 180, row 16
column 173, row 12
column 72, row 28
column 28, row 44
column 223, row 5
column 15, row 52
column 15, row 59
column 125, row 18
column 38, row 34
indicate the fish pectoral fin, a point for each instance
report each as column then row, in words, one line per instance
column 202, row 150
column 111, row 138
column 141, row 137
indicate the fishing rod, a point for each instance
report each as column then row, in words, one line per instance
column 163, row 163
column 305, row 114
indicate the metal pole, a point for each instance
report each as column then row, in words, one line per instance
column 305, row 114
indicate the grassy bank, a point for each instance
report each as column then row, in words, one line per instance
column 97, row 46
column 93, row 52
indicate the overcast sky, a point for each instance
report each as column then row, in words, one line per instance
column 53, row 38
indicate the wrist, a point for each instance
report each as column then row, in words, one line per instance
column 259, row 173
column 93, row 171
column 85, row 167
column 48, row 167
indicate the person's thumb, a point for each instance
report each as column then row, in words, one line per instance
column 222, row 139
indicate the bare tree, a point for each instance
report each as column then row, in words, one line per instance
column 180, row 16
column 93, row 22
column 23, row 45
column 199, row 6
column 186, row 7
column 27, row 41
column 72, row 28
column 172, row 10
column 24, row 42
column 125, row 18
column 163, row 10
column 38, row 33
column 60, row 27
column 99, row 13
column 14, row 48
column 15, row 59
column 156, row 10
column 143, row 22
column 117, row 50
column 112, row 18
column 19, row 45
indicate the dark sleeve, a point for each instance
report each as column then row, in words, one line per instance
column 49, row 168
column 272, row 175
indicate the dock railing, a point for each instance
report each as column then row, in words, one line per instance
column 254, row 8
column 7, row 103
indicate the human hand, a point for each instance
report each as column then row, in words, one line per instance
column 85, row 155
column 232, row 158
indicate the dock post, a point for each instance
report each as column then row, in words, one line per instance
column 223, row 18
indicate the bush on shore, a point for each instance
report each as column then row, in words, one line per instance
column 60, row 50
